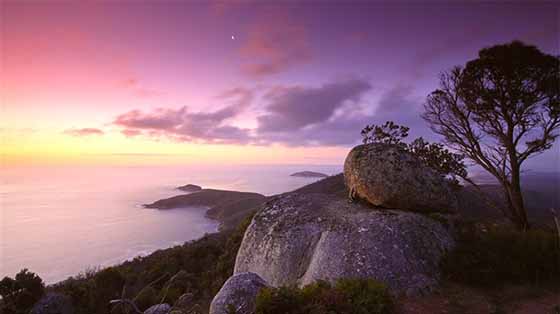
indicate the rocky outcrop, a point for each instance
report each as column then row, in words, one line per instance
column 389, row 177
column 158, row 309
column 238, row 294
column 189, row 188
column 309, row 174
column 228, row 207
column 53, row 303
column 297, row 239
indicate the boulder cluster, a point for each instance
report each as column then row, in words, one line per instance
column 389, row 235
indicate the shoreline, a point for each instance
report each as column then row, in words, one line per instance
column 213, row 207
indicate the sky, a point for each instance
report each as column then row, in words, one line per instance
column 236, row 81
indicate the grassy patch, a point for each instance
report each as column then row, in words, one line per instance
column 356, row 296
column 503, row 256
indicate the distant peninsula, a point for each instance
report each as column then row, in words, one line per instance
column 227, row 207
column 189, row 188
column 309, row 174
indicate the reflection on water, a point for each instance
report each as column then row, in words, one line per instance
column 58, row 221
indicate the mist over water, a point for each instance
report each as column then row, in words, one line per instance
column 59, row 221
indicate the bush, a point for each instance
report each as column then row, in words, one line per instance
column 20, row 294
column 351, row 296
column 504, row 256
column 146, row 298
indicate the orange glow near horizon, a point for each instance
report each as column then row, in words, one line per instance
column 29, row 147
column 180, row 82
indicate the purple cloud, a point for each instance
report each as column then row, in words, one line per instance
column 397, row 104
column 330, row 115
column 182, row 125
column 83, row 132
column 293, row 108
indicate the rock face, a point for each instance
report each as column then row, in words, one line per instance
column 309, row 174
column 158, row 309
column 189, row 188
column 300, row 238
column 238, row 294
column 53, row 303
column 389, row 177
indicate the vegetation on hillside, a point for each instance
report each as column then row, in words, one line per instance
column 492, row 256
column 20, row 293
column 346, row 296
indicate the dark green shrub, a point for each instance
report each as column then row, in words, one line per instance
column 351, row 296
column 20, row 294
column 146, row 298
column 502, row 256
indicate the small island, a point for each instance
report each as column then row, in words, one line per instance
column 189, row 188
column 309, row 174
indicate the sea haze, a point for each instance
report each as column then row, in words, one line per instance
column 59, row 221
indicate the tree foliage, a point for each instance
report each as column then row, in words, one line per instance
column 358, row 296
column 21, row 293
column 499, row 110
column 388, row 133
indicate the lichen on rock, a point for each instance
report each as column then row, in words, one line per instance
column 387, row 176
column 297, row 239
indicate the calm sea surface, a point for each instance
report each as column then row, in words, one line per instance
column 58, row 221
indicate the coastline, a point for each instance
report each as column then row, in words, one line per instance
column 223, row 207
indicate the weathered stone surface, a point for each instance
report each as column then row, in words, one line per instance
column 239, row 293
column 389, row 177
column 300, row 238
column 158, row 309
column 53, row 303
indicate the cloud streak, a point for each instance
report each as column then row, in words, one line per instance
column 184, row 125
column 83, row 132
column 294, row 108
column 332, row 114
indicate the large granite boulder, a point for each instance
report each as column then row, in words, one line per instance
column 53, row 303
column 299, row 238
column 238, row 294
column 390, row 177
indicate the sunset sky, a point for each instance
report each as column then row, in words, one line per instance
column 237, row 82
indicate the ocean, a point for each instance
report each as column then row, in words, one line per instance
column 58, row 221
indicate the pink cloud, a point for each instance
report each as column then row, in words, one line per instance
column 131, row 132
column 134, row 85
column 83, row 132
column 183, row 125
column 275, row 45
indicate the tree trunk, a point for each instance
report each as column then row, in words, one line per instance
column 515, row 201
